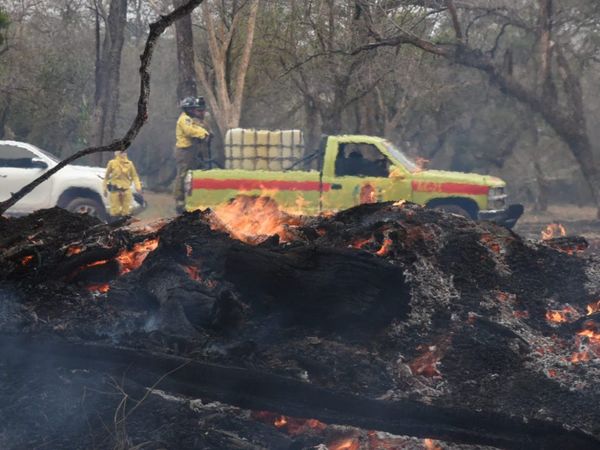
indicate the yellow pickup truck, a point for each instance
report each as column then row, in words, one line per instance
column 349, row 170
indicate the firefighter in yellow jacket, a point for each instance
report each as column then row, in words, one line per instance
column 191, row 146
column 120, row 175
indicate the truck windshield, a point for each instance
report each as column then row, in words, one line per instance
column 400, row 157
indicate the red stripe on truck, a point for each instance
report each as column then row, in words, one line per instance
column 450, row 188
column 248, row 185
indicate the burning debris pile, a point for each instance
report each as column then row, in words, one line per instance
column 340, row 332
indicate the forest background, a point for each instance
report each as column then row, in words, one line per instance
column 507, row 87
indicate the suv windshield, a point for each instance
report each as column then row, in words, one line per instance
column 400, row 157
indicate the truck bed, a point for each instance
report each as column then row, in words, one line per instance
column 295, row 190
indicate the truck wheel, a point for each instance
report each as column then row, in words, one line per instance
column 85, row 205
column 454, row 209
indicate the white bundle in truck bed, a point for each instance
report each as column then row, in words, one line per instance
column 251, row 149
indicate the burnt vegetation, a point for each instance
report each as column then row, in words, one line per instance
column 380, row 319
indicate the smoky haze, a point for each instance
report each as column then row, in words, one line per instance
column 448, row 114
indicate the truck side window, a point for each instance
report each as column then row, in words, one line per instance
column 15, row 157
column 361, row 160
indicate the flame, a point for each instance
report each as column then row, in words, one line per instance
column 344, row 444
column 579, row 357
column 100, row 288
column 360, row 243
column 132, row 259
column 567, row 314
column 385, row 248
column 26, row 260
column 291, row 425
column 593, row 308
column 552, row 231
column 592, row 335
column 253, row 219
column 281, row 421
column 193, row 272
column 399, row 203
column 430, row 444
column 74, row 250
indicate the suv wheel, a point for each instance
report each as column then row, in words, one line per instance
column 84, row 205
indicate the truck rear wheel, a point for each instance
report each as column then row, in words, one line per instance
column 86, row 205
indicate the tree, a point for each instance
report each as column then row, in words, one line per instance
column 4, row 22
column 108, row 65
column 223, row 73
column 555, row 93
column 186, row 85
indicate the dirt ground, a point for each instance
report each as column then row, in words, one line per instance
column 576, row 220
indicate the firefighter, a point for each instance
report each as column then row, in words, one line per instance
column 191, row 146
column 120, row 175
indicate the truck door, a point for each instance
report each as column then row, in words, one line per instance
column 18, row 167
column 363, row 173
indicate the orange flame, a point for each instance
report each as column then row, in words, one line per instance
column 566, row 314
column 593, row 308
column 344, row 444
column 385, row 248
column 74, row 250
column 291, row 425
column 253, row 219
column 96, row 263
column 552, row 231
column 132, row 259
column 430, row 444
column 100, row 288
column 579, row 357
column 281, row 421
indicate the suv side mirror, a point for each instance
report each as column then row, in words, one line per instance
column 37, row 163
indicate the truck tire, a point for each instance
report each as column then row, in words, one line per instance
column 86, row 205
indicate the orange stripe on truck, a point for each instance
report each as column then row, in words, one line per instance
column 249, row 185
column 450, row 188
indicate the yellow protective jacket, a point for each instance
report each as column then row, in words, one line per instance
column 187, row 129
column 120, row 172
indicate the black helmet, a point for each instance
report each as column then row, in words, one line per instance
column 193, row 103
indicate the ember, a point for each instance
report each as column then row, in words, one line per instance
column 132, row 259
column 99, row 288
column 193, row 272
column 409, row 344
column 26, row 260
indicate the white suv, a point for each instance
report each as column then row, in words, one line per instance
column 74, row 188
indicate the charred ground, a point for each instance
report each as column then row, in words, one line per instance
column 439, row 327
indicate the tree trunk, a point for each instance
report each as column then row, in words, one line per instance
column 108, row 77
column 186, row 85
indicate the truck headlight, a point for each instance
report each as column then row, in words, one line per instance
column 187, row 183
column 496, row 198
